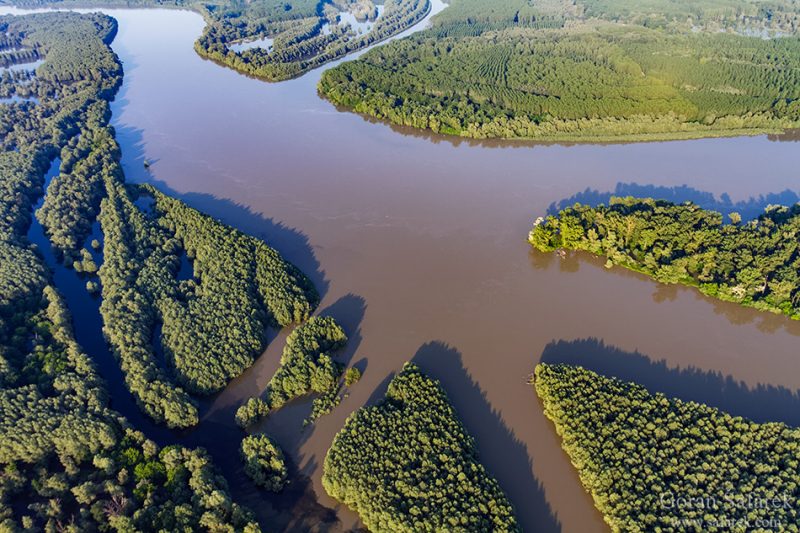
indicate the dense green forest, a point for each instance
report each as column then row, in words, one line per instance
column 585, row 71
column 408, row 464
column 211, row 326
column 304, row 34
column 306, row 367
column 69, row 462
column 755, row 263
column 653, row 463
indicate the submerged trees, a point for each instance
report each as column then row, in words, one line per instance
column 305, row 34
column 407, row 464
column 655, row 463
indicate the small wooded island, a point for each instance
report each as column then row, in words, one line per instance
column 407, row 464
column 753, row 263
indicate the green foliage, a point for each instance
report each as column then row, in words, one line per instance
column 135, row 267
column 212, row 326
column 251, row 412
column 740, row 15
column 637, row 453
column 68, row 462
column 73, row 198
column 473, row 17
column 305, row 368
column 407, row 464
column 487, row 69
column 754, row 264
column 264, row 462
column 351, row 376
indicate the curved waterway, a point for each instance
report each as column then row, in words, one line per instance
column 417, row 244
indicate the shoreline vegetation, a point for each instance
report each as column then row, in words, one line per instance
column 70, row 462
column 655, row 463
column 302, row 34
column 408, row 464
column 755, row 263
column 584, row 72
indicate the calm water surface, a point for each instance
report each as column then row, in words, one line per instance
column 417, row 243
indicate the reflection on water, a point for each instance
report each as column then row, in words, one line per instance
column 419, row 246
column 22, row 67
column 359, row 26
column 787, row 136
column 265, row 43
column 15, row 99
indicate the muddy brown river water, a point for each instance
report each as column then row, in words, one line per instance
column 417, row 244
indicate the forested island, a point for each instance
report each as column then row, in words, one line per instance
column 408, row 464
column 653, row 463
column 752, row 263
column 70, row 462
column 585, row 71
column 280, row 39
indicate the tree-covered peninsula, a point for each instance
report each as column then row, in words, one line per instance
column 586, row 70
column 653, row 463
column 408, row 464
column 280, row 39
column 70, row 462
column 753, row 263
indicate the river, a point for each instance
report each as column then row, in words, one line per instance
column 418, row 245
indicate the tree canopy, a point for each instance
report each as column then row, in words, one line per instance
column 593, row 70
column 69, row 462
column 653, row 463
column 408, row 464
column 303, row 34
column 264, row 462
column 307, row 366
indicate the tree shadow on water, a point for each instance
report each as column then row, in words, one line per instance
column 501, row 452
column 349, row 312
column 749, row 209
column 292, row 244
column 763, row 403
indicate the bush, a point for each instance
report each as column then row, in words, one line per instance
column 264, row 462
